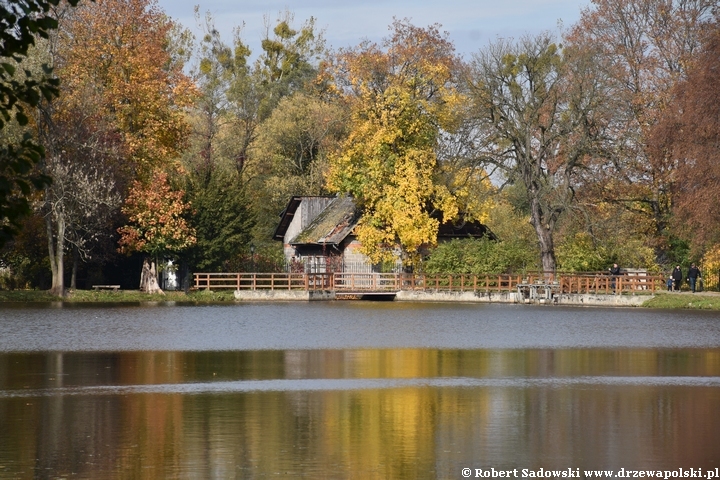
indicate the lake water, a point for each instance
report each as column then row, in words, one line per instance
column 355, row 390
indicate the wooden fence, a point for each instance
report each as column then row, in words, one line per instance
column 394, row 282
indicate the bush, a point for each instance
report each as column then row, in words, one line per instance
column 581, row 253
column 479, row 256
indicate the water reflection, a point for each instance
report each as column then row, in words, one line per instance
column 23, row 371
column 368, row 413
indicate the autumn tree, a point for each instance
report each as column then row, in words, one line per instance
column 539, row 113
column 120, row 48
column 645, row 48
column 688, row 133
column 157, row 225
column 401, row 95
column 118, row 118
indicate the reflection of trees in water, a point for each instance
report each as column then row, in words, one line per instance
column 536, row 410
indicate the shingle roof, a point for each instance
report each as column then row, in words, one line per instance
column 332, row 225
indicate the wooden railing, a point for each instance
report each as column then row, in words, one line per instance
column 264, row 281
column 394, row 282
column 607, row 284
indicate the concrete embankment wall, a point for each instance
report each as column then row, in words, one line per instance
column 472, row 297
column 463, row 297
column 512, row 297
column 603, row 300
column 282, row 295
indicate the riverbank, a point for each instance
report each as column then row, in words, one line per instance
column 108, row 296
column 685, row 300
column 662, row 300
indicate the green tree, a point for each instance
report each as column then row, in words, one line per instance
column 220, row 218
column 479, row 256
column 291, row 154
column 238, row 106
column 21, row 23
column 540, row 113
column 581, row 252
column 237, row 95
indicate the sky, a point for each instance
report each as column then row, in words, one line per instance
column 471, row 24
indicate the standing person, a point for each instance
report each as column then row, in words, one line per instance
column 677, row 277
column 614, row 273
column 693, row 275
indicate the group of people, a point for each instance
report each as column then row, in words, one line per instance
column 694, row 277
column 676, row 278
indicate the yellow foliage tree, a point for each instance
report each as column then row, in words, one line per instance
column 711, row 267
column 401, row 98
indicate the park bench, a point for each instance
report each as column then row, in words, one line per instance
column 114, row 288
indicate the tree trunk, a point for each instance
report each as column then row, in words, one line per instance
column 544, row 231
column 184, row 276
column 547, row 249
column 73, row 277
column 56, row 252
column 148, row 278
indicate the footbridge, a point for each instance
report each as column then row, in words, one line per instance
column 528, row 286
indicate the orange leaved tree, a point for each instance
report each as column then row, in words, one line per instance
column 119, row 115
column 156, row 225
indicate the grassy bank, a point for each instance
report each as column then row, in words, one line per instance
column 122, row 296
column 696, row 301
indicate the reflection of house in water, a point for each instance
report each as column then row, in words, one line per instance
column 318, row 236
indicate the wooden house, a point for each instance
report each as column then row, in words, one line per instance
column 317, row 234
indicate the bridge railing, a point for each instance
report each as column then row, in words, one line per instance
column 263, row 281
column 608, row 284
column 392, row 282
column 375, row 282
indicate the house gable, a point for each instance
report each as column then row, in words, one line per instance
column 298, row 214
